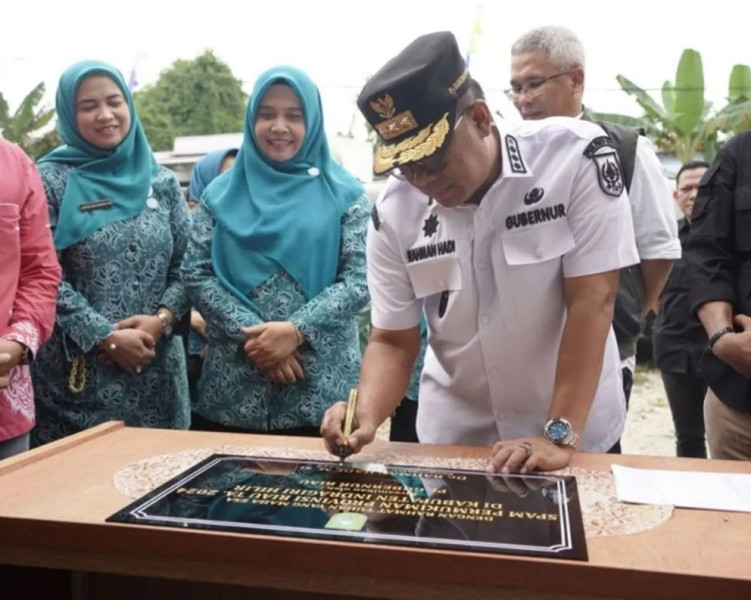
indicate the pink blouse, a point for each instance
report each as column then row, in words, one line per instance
column 29, row 277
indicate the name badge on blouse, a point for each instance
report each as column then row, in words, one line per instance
column 97, row 205
column 152, row 202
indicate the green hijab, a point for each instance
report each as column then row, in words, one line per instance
column 274, row 216
column 122, row 175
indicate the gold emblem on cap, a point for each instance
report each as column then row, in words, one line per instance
column 384, row 106
column 458, row 83
column 401, row 123
column 424, row 143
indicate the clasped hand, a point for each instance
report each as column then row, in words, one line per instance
column 272, row 347
column 132, row 345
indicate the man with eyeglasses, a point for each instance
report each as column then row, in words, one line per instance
column 509, row 242
column 547, row 80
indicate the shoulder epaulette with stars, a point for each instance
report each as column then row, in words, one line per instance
column 514, row 156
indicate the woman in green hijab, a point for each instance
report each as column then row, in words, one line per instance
column 276, row 266
column 120, row 227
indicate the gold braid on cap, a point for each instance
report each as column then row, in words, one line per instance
column 414, row 148
column 454, row 87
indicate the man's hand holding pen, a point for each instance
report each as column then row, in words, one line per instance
column 349, row 421
column 338, row 439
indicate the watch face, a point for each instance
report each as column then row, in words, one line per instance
column 166, row 324
column 558, row 430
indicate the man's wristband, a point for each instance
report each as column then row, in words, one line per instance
column 717, row 335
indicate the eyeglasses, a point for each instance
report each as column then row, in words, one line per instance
column 532, row 86
column 436, row 165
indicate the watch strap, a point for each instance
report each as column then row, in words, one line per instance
column 717, row 335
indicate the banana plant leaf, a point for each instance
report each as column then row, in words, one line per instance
column 668, row 97
column 740, row 83
column 646, row 101
column 631, row 122
column 689, row 93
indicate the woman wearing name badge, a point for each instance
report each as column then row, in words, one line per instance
column 120, row 226
column 276, row 266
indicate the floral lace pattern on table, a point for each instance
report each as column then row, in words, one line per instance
column 602, row 513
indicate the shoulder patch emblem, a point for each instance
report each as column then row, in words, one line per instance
column 609, row 173
column 514, row 156
column 375, row 218
column 597, row 143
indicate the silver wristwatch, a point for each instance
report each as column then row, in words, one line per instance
column 560, row 432
column 166, row 324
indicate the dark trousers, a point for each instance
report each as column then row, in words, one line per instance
column 403, row 422
column 628, row 384
column 14, row 446
column 195, row 366
column 199, row 423
column 686, row 393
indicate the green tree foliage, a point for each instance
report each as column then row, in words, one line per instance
column 192, row 97
column 685, row 123
column 25, row 126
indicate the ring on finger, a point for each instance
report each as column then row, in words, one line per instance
column 527, row 447
column 138, row 369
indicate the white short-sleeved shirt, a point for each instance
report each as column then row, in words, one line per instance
column 490, row 280
column 652, row 207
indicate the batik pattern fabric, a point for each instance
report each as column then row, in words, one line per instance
column 126, row 268
column 232, row 390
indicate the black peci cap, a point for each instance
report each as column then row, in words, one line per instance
column 411, row 101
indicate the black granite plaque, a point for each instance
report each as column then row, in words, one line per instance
column 415, row 506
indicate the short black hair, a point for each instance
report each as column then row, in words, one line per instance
column 475, row 90
column 694, row 164
column 473, row 94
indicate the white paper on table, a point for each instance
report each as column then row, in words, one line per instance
column 688, row 489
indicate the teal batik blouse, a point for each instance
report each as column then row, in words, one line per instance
column 126, row 268
column 232, row 390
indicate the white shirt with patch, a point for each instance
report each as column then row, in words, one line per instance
column 652, row 207
column 490, row 280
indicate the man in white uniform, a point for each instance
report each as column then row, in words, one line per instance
column 547, row 80
column 510, row 242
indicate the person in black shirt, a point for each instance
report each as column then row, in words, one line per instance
column 678, row 337
column 718, row 253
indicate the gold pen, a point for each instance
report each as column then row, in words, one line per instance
column 349, row 418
